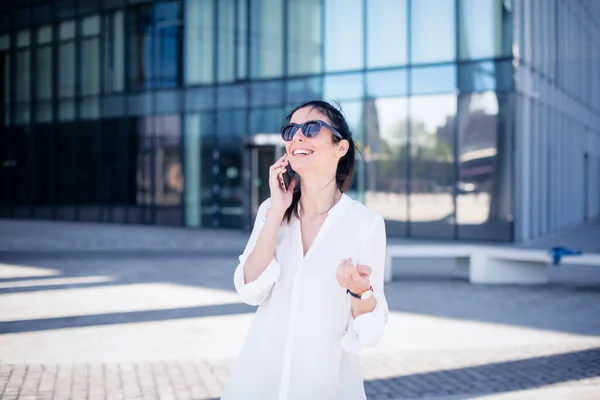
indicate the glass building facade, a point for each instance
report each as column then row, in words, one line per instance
column 167, row 112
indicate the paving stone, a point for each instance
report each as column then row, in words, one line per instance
column 550, row 335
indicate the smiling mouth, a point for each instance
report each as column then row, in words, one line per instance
column 302, row 152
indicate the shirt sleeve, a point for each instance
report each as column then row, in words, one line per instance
column 255, row 292
column 366, row 329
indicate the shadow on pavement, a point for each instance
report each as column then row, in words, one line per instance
column 564, row 308
column 490, row 378
column 34, row 325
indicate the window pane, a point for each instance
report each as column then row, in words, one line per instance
column 168, row 56
column 89, row 109
column 226, row 41
column 43, row 112
column 23, row 113
column 266, row 120
column 485, row 32
column 266, row 93
column 231, row 193
column 23, row 71
column 90, row 26
column 304, row 37
column 431, row 210
column 168, row 170
column 67, row 30
column 114, row 52
column 387, row 83
column 200, row 98
column 387, row 39
column 433, row 31
column 303, row 89
column 199, row 41
column 483, row 185
column 430, row 80
column 266, row 38
column 194, row 123
column 44, row 73
column 168, row 101
column 485, row 75
column 343, row 35
column 7, row 80
column 141, row 53
column 23, row 38
column 66, row 110
column 231, row 96
column 242, row 34
column 66, row 70
column 346, row 86
column 90, row 66
column 4, row 42
column 386, row 128
column 44, row 34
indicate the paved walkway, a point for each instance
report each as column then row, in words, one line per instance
column 128, row 312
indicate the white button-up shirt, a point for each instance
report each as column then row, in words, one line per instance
column 304, row 340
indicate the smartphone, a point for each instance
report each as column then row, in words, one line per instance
column 286, row 178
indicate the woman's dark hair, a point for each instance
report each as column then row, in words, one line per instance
column 345, row 167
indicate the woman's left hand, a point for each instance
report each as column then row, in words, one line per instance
column 356, row 279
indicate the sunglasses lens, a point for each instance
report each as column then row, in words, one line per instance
column 287, row 132
column 311, row 129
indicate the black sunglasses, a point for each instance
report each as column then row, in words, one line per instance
column 310, row 129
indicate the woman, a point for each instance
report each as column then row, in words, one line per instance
column 314, row 266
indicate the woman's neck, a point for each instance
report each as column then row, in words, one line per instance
column 319, row 195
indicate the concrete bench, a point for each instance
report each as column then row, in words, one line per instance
column 489, row 264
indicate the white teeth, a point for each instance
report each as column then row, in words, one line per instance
column 302, row 151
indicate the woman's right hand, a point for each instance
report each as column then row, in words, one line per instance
column 280, row 199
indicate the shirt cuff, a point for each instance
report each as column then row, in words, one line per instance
column 256, row 292
column 366, row 329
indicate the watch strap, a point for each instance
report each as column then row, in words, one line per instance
column 358, row 296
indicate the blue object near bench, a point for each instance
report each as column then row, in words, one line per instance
column 559, row 252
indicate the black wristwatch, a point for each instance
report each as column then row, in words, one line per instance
column 363, row 296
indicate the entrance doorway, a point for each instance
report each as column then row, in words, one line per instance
column 260, row 152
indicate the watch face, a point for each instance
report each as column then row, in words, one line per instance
column 366, row 295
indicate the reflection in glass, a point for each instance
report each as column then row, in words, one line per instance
column 485, row 75
column 483, row 185
column 266, row 93
column 343, row 35
column 431, row 206
column 199, row 41
column 66, row 68
column 386, row 128
column 154, row 45
column 114, row 51
column 231, row 188
column 387, row 83
column 44, row 73
column 433, row 80
column 266, row 119
column 300, row 90
column 387, row 39
column 198, row 170
column 226, row 40
column 266, row 38
column 90, row 65
column 304, row 37
column 23, row 75
column 168, row 171
column 346, row 86
column 484, row 30
column 242, row 39
column 433, row 32
column 353, row 112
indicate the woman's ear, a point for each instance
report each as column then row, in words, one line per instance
column 343, row 148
